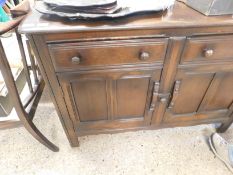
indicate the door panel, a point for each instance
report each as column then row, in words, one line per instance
column 91, row 99
column 105, row 100
column 131, row 96
column 192, row 89
column 204, row 93
column 220, row 93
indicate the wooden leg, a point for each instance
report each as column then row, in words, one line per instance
column 32, row 129
column 223, row 128
column 225, row 125
column 22, row 114
column 55, row 92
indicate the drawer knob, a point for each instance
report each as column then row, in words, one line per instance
column 209, row 52
column 76, row 60
column 144, row 56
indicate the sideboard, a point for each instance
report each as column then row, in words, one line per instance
column 141, row 72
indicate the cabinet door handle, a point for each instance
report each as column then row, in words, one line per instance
column 208, row 53
column 175, row 94
column 144, row 56
column 76, row 60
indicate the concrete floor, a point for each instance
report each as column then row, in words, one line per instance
column 178, row 151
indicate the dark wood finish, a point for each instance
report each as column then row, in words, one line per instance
column 211, row 48
column 175, row 94
column 98, row 98
column 176, row 18
column 174, row 50
column 152, row 71
column 207, row 92
column 71, row 56
column 50, row 78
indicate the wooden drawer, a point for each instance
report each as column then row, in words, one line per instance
column 212, row 48
column 71, row 56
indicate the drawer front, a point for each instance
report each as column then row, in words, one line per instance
column 71, row 56
column 212, row 48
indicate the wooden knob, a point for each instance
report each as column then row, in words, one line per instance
column 76, row 60
column 144, row 56
column 209, row 52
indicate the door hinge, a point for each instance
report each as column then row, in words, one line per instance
column 163, row 97
column 61, row 90
column 158, row 97
column 175, row 94
column 62, row 93
column 155, row 95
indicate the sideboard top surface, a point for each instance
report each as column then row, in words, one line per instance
column 179, row 15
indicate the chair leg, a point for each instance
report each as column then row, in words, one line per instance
column 24, row 60
column 32, row 129
column 223, row 128
column 23, row 116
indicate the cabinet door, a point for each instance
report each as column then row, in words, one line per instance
column 201, row 93
column 110, row 100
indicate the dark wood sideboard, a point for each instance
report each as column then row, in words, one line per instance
column 143, row 72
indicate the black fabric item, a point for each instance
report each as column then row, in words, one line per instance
column 16, row 2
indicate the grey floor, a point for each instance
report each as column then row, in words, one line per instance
column 164, row 152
